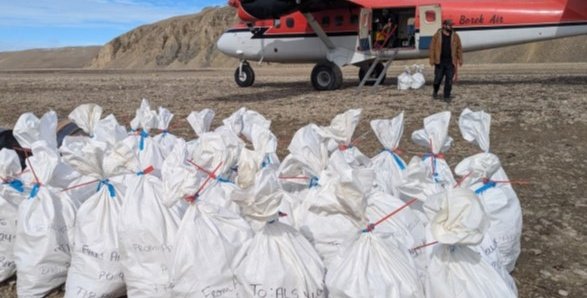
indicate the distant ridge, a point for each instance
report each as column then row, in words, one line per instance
column 70, row 57
column 188, row 42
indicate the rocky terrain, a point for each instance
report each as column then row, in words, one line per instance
column 539, row 131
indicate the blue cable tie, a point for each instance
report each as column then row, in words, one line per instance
column 223, row 180
column 17, row 185
column 111, row 190
column 35, row 190
column 397, row 160
column 313, row 182
column 144, row 134
column 487, row 185
column 266, row 161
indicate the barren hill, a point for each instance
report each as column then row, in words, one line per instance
column 181, row 42
column 70, row 57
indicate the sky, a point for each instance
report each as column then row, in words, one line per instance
column 30, row 24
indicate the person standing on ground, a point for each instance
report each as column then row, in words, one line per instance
column 446, row 54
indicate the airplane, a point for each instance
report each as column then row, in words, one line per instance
column 336, row 33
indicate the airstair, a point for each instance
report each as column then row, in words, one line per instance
column 385, row 57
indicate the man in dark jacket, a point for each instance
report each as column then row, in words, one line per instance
column 446, row 54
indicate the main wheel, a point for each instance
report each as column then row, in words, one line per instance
column 326, row 76
column 246, row 78
column 374, row 75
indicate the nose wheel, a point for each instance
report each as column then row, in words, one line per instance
column 326, row 76
column 244, row 76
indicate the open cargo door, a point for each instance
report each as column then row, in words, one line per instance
column 365, row 20
column 430, row 21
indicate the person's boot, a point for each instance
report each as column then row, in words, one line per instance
column 435, row 92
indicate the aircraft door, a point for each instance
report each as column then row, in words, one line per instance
column 365, row 23
column 430, row 18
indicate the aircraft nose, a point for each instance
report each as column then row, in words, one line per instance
column 227, row 44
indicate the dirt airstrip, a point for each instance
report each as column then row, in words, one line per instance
column 539, row 131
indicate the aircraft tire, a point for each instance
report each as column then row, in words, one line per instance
column 326, row 76
column 378, row 69
column 247, row 78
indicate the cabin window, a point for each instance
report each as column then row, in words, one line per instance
column 325, row 20
column 277, row 23
column 289, row 22
column 354, row 19
column 338, row 20
column 430, row 16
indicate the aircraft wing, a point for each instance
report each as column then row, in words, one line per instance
column 382, row 4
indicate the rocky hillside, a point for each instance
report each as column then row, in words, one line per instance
column 181, row 42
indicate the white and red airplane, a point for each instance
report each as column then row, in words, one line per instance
column 335, row 33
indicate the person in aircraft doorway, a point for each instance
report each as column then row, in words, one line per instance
column 446, row 54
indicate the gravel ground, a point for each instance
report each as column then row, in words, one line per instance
column 539, row 130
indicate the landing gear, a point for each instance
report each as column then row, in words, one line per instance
column 244, row 76
column 374, row 75
column 326, row 76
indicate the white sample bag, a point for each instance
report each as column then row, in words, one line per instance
column 146, row 235
column 434, row 137
column 418, row 79
column 45, row 229
column 369, row 267
column 389, row 167
column 11, row 195
column 404, row 80
column 165, row 139
column 481, row 171
column 455, row 269
column 278, row 261
column 209, row 235
column 95, row 265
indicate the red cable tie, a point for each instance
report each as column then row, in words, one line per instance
column 423, row 246
column 202, row 169
column 397, row 151
column 410, row 202
column 148, row 170
column 193, row 198
column 294, row 177
column 80, row 185
column 31, row 166
column 371, row 227
column 462, row 179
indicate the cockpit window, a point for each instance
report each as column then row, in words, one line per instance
column 289, row 22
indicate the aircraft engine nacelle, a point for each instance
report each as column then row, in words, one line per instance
column 252, row 10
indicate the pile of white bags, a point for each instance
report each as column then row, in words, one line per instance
column 122, row 212
column 404, row 80
column 411, row 78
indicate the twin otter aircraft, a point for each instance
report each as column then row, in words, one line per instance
column 335, row 33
